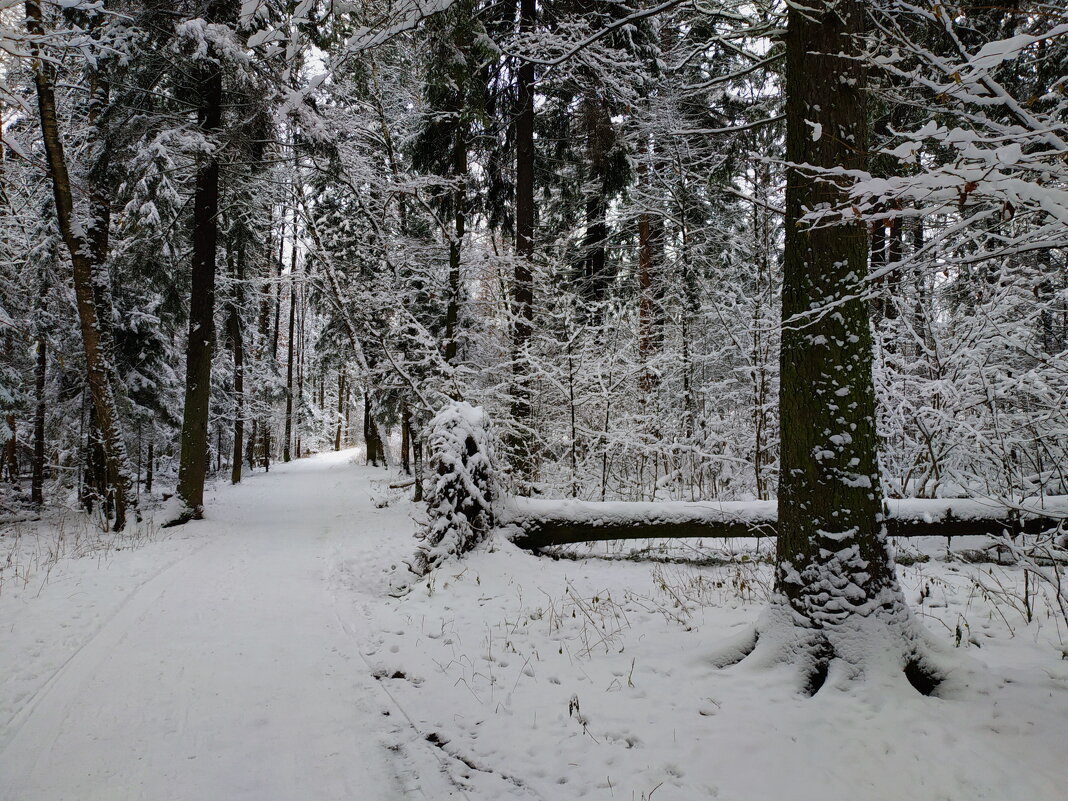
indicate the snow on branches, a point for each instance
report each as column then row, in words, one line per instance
column 993, row 147
column 462, row 486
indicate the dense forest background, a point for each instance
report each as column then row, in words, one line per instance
column 233, row 233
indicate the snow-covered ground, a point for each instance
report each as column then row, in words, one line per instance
column 259, row 655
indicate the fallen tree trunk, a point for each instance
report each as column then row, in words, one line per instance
column 538, row 523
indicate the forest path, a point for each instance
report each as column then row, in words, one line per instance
column 235, row 672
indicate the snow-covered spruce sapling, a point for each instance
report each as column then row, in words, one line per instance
column 462, row 486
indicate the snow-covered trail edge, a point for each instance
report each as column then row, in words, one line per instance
column 231, row 672
column 259, row 655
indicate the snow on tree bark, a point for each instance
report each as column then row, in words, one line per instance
column 82, row 252
column 193, row 466
column 837, row 601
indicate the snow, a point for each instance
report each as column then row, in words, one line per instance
column 259, row 655
column 592, row 513
column 460, row 491
column 516, row 510
column 994, row 53
column 229, row 669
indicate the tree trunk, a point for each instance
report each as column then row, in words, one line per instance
column 406, row 436
column 239, row 400
column 40, row 374
column 95, row 484
column 237, row 346
column 278, row 287
column 648, row 306
column 595, row 260
column 289, row 350
column 341, row 390
column 452, row 310
column 829, row 481
column 346, row 439
column 298, row 401
column 370, row 432
column 417, row 458
column 523, row 286
column 536, row 523
column 11, row 458
column 834, row 573
column 250, row 452
column 150, row 468
column 82, row 252
column 597, row 125
column 193, row 464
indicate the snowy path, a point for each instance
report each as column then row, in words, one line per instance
column 229, row 674
column 236, row 659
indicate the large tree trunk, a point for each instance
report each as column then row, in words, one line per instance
column 95, row 485
column 523, row 285
column 193, row 465
column 536, row 523
column 835, row 583
column 829, row 498
column 83, row 250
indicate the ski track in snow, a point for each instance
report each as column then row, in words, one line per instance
column 228, row 674
column 258, row 656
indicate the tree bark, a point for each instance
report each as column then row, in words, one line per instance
column 11, row 459
column 193, row 464
column 348, row 417
column 452, row 310
column 593, row 522
column 40, row 374
column 341, row 390
column 150, row 468
column 83, row 250
column 831, row 530
column 406, row 436
column 371, row 436
column 298, row 400
column 250, row 452
column 523, row 285
column 417, row 459
column 278, row 288
column 289, row 350
column 597, row 127
column 237, row 346
column 648, row 305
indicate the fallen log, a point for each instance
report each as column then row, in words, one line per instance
column 535, row 523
